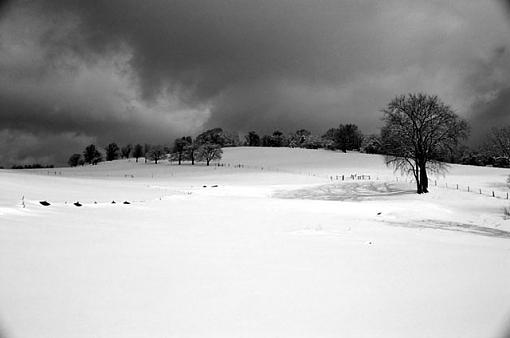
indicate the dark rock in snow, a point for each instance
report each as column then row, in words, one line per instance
column 45, row 203
column 126, row 202
column 78, row 204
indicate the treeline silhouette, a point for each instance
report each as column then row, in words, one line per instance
column 206, row 147
column 32, row 166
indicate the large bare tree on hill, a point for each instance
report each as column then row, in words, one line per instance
column 419, row 131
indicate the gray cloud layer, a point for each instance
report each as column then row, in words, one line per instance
column 132, row 71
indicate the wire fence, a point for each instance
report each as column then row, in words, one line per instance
column 329, row 177
column 485, row 191
column 350, row 177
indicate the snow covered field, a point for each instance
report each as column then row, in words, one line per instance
column 273, row 248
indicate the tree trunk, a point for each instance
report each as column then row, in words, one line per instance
column 418, row 187
column 137, row 160
column 192, row 158
column 180, row 157
column 424, row 180
column 207, row 162
column 417, row 177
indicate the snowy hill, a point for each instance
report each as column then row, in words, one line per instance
column 272, row 243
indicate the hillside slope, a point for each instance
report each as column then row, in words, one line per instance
column 267, row 245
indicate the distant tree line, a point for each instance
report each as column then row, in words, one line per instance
column 206, row 147
column 31, row 166
column 420, row 132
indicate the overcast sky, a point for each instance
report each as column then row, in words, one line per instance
column 76, row 72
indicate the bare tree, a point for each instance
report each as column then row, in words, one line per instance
column 345, row 137
column 91, row 155
column 74, row 160
column 179, row 148
column 112, row 152
column 146, row 151
column 498, row 142
column 156, row 153
column 420, row 129
column 209, row 152
column 138, row 151
column 252, row 139
column 126, row 150
column 191, row 150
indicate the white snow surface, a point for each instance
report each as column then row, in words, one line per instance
column 271, row 248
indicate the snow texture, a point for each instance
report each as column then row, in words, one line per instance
column 270, row 244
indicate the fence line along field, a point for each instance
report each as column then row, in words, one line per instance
column 269, row 242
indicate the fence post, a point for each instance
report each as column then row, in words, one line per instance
column 435, row 183
column 457, row 187
column 493, row 194
column 468, row 188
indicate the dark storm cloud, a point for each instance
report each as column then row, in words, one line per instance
column 506, row 3
column 207, row 46
column 489, row 81
column 148, row 71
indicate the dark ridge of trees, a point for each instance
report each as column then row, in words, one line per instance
column 156, row 153
column 371, row 144
column 126, row 150
column 137, row 151
column 420, row 129
column 297, row 139
column 220, row 137
column 75, row 160
column 206, row 147
column 179, row 149
column 495, row 152
column 252, row 139
column 112, row 151
column 345, row 137
column 191, row 150
column 212, row 136
column 277, row 139
column 146, row 151
column 303, row 138
column 32, row 166
column 497, row 142
column 230, row 139
column 91, row 155
column 482, row 158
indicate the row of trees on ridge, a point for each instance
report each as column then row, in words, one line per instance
column 203, row 148
column 419, row 135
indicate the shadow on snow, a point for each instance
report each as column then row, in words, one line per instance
column 453, row 226
column 348, row 192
